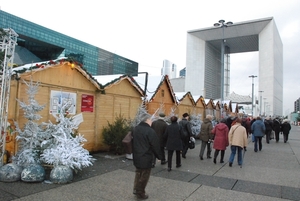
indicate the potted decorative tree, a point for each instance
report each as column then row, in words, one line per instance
column 32, row 139
column 66, row 152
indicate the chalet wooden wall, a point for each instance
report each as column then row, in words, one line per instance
column 60, row 78
column 201, row 107
column 120, row 98
column 187, row 104
column 164, row 97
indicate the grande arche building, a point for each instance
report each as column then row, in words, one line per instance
column 203, row 59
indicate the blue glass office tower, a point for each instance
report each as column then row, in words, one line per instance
column 47, row 44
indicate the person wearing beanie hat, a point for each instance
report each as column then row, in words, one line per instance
column 185, row 126
column 145, row 143
column 160, row 126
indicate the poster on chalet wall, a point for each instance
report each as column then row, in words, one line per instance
column 60, row 98
column 87, row 103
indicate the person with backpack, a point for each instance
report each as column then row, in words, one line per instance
column 186, row 131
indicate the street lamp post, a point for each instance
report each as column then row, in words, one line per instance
column 260, row 103
column 252, row 76
column 222, row 25
column 265, row 106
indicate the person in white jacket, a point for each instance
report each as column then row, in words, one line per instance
column 237, row 138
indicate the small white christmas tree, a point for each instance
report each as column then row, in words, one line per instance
column 34, row 137
column 141, row 110
column 195, row 121
column 67, row 148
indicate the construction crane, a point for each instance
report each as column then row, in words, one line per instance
column 8, row 41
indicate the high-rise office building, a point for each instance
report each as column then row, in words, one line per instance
column 182, row 72
column 169, row 69
column 37, row 43
column 297, row 105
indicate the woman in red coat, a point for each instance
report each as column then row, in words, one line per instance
column 220, row 132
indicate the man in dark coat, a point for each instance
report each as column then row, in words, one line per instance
column 285, row 128
column 174, row 142
column 145, row 144
column 160, row 127
column 269, row 125
column 185, row 127
column 276, row 128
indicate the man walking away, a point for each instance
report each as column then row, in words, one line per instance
column 285, row 127
column 185, row 125
column 258, row 130
column 276, row 128
column 160, row 127
column 145, row 144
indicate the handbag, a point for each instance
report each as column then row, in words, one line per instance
column 127, row 142
column 191, row 144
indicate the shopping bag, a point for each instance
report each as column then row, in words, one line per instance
column 127, row 142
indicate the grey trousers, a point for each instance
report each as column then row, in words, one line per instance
column 203, row 146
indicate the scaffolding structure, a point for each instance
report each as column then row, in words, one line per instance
column 8, row 41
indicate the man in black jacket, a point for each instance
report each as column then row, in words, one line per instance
column 145, row 144
column 185, row 125
column 276, row 128
column 160, row 127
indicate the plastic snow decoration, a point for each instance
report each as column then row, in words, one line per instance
column 34, row 137
column 195, row 121
column 67, row 147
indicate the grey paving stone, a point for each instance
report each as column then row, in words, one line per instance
column 258, row 188
column 290, row 193
column 221, row 182
column 175, row 174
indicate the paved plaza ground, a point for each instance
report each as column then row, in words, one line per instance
column 267, row 175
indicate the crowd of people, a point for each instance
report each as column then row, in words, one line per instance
column 150, row 139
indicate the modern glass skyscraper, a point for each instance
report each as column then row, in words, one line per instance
column 47, row 44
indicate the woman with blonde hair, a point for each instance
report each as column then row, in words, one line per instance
column 237, row 138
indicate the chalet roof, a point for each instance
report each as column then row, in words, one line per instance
column 181, row 95
column 40, row 66
column 153, row 84
column 110, row 80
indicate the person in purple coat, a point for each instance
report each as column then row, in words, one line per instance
column 220, row 132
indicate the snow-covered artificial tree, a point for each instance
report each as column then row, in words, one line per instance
column 67, row 148
column 160, row 110
column 34, row 137
column 141, row 110
column 127, row 140
column 195, row 121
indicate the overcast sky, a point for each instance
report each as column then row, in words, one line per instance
column 150, row 31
